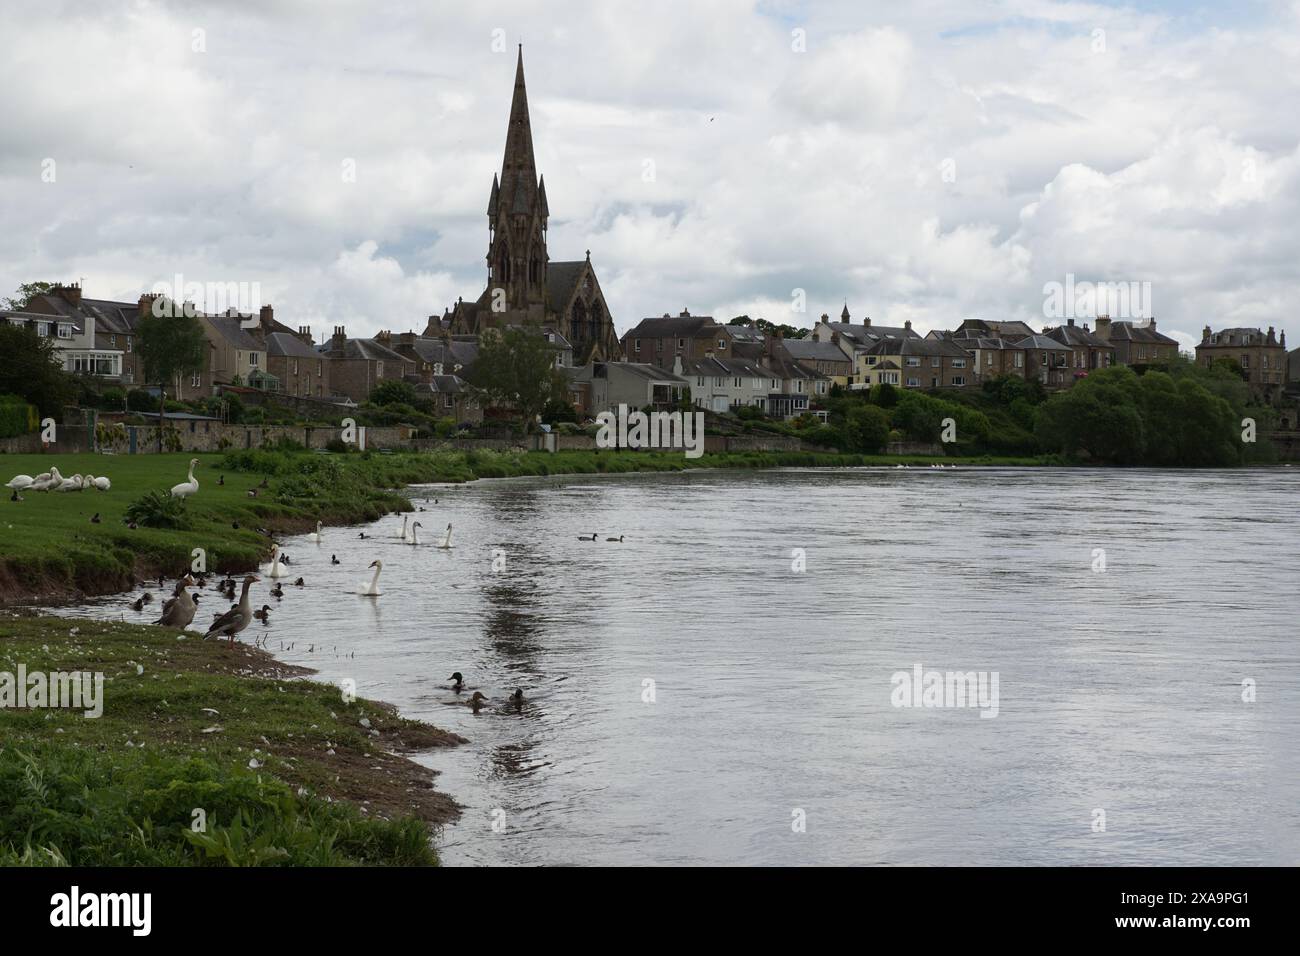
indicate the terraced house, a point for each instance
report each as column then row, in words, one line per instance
column 917, row 363
column 1136, row 343
column 721, row 384
column 991, row 357
column 1260, row 356
column 660, row 341
column 361, row 364
column 856, row 341
column 1090, row 351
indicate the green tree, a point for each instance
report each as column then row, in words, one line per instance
column 26, row 292
column 393, row 391
column 32, row 369
column 169, row 346
column 866, row 429
column 515, row 369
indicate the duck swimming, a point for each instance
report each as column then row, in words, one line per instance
column 477, row 701
column 517, row 699
column 264, row 614
column 618, row 540
column 459, row 682
column 587, row 537
column 277, row 591
column 334, row 559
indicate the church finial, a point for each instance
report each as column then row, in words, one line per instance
column 844, row 316
column 588, row 255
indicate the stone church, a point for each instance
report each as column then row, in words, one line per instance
column 524, row 283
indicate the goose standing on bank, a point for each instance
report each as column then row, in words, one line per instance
column 190, row 487
column 371, row 589
column 316, row 537
column 446, row 540
column 237, row 618
column 179, row 609
column 278, row 570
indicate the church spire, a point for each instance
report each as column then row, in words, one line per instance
column 519, row 137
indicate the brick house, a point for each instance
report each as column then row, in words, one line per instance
column 921, row 363
column 361, row 364
column 1047, row 361
column 1136, row 343
column 1089, row 350
column 661, row 340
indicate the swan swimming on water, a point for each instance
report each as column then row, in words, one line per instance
column 278, row 570
column 371, row 589
column 405, row 519
column 187, row 488
column 316, row 536
column 415, row 535
column 446, row 539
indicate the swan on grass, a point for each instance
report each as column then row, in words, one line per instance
column 68, row 484
column 445, row 544
column 316, row 537
column 103, row 484
column 20, row 482
column 190, row 487
column 277, row 570
column 47, row 481
column 371, row 588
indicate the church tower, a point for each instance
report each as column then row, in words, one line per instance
column 517, row 213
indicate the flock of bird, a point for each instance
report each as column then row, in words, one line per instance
column 53, row 481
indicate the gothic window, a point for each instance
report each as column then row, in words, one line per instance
column 596, row 316
column 578, row 322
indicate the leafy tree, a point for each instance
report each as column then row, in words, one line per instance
column 26, row 292
column 170, row 346
column 515, row 369
column 866, row 429
column 558, row 410
column 884, row 395
column 393, row 391
column 33, row 370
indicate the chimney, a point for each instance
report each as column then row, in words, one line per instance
column 70, row 294
column 384, row 338
column 145, row 305
column 265, row 316
column 667, row 316
column 835, row 338
column 339, row 340
column 867, row 321
column 1205, row 334
column 1069, row 321
column 1272, row 336
column 1284, row 338
column 304, row 334
column 1103, row 326
column 1153, row 323
column 907, row 324
column 825, row 317
column 686, row 314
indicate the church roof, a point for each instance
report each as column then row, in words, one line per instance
column 561, row 279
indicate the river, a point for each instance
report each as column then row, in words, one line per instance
column 692, row 697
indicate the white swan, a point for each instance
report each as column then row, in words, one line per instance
column 47, row 481
column 404, row 536
column 68, row 484
column 20, row 482
column 278, row 570
column 187, row 488
column 445, row 544
column 103, row 484
column 415, row 535
column 316, row 536
column 372, row 589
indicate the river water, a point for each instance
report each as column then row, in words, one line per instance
column 692, row 697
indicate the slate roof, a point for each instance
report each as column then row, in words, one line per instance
column 284, row 344
column 449, row 354
column 561, row 280
column 228, row 327
column 1077, row 335
column 727, row 366
column 672, row 326
column 806, row 350
column 918, row 346
column 865, row 336
column 1143, row 334
column 1238, row 337
column 1040, row 342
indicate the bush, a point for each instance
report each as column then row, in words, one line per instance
column 17, row 417
column 157, row 510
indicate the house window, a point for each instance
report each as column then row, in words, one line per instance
column 798, row 385
column 295, row 366
column 1245, row 361
column 699, row 381
column 1044, row 358
column 913, row 361
column 112, row 340
column 636, row 345
column 737, row 385
column 821, row 388
column 959, row 380
column 448, row 402
column 128, row 343
column 988, row 360
column 958, row 363
column 379, row 369
column 681, row 344
column 720, row 381
column 773, row 383
column 319, row 368
column 659, row 345
column 65, row 331
column 722, row 345
column 43, row 329
column 934, row 362
column 871, row 360
column 934, row 382
column 1020, row 359
column 913, row 383
column 196, row 381
column 252, row 359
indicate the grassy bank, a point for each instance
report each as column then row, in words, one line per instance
column 50, row 550
column 283, row 771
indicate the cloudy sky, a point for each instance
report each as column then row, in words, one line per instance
column 929, row 161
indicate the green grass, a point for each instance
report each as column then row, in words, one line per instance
column 123, row 789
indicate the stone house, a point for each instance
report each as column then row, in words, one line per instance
column 722, row 384
column 919, row 363
column 661, row 340
column 1136, row 343
column 1261, row 357
column 603, row 386
column 359, row 365
column 1047, row 361
column 1089, row 350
